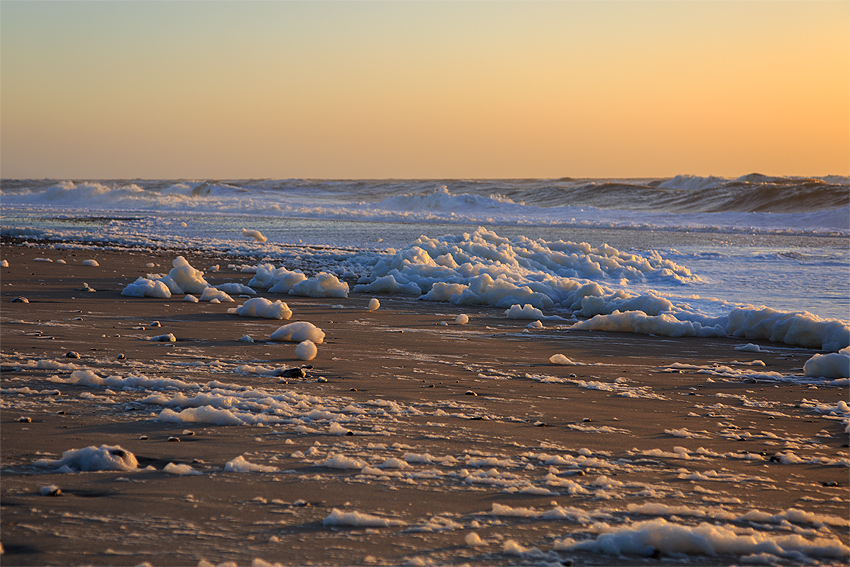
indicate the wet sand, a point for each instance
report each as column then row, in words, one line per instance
column 483, row 393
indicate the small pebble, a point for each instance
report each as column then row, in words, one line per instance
column 72, row 354
column 469, row 393
column 173, row 440
column 24, row 419
column 19, row 299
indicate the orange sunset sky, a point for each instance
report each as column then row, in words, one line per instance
column 401, row 89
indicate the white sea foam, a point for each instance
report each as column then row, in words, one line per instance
column 103, row 458
column 299, row 331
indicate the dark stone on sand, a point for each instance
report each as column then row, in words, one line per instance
column 292, row 373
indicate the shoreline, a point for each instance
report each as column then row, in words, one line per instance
column 657, row 429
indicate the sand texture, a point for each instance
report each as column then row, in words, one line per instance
column 412, row 439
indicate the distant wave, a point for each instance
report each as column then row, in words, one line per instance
column 752, row 202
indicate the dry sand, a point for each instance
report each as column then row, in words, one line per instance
column 410, row 353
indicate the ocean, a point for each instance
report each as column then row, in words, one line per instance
column 755, row 242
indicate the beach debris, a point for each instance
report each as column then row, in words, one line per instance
column 155, row 324
column 246, row 339
column 25, row 419
column 535, row 325
column 191, row 298
column 321, row 379
column 374, row 304
column 19, row 299
column 168, row 338
column 61, row 261
column 264, row 308
column 291, row 372
column 298, row 332
column 173, row 440
column 121, row 356
column 255, row 234
column 462, row 319
column 4, row 263
column 469, row 393
column 150, row 265
column 561, row 359
column 183, row 224
column 92, row 263
column 50, row 490
column 72, row 354
column 42, row 260
column 87, row 287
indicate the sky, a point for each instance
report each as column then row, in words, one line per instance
column 437, row 89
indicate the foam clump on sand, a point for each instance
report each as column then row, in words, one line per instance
column 298, row 332
column 4, row 263
column 658, row 536
column 281, row 280
column 236, row 288
column 144, row 287
column 103, row 458
column 306, row 350
column 561, row 359
column 92, row 263
column 166, row 338
column 255, row 234
column 186, row 277
column 276, row 280
column 264, row 308
column 240, row 464
column 180, row 470
column 211, row 293
column 359, row 519
column 462, row 319
column 527, row 311
column 831, row 365
column 323, row 285
column 482, row 268
column 374, row 304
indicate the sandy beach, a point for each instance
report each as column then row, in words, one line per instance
column 419, row 440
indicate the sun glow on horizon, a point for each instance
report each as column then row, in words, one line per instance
column 423, row 90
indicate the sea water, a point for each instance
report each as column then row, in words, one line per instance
column 778, row 242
